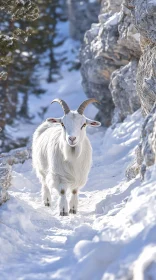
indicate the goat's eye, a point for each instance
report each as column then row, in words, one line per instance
column 62, row 125
column 84, row 125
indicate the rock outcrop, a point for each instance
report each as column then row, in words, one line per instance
column 146, row 78
column 109, row 45
column 144, row 13
column 123, row 89
column 118, row 60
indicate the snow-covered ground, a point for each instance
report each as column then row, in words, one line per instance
column 113, row 235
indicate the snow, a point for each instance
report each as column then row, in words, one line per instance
column 152, row 2
column 113, row 20
column 113, row 236
column 136, row 36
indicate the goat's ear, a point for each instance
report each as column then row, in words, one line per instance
column 54, row 120
column 93, row 123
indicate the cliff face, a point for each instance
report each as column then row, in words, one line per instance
column 108, row 46
column 118, row 60
column 123, row 90
column 144, row 14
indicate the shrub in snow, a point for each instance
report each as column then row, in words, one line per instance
column 62, row 155
column 6, row 161
column 5, row 181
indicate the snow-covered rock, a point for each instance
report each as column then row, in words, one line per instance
column 145, row 155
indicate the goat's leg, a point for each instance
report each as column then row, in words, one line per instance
column 63, row 203
column 73, row 202
column 53, row 182
column 46, row 196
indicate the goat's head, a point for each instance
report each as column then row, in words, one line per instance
column 74, row 123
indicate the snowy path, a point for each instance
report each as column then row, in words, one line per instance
column 102, row 240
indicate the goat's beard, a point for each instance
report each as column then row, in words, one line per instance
column 70, row 153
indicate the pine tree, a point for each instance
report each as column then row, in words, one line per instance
column 16, row 9
column 11, row 39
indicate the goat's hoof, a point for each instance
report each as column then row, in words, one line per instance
column 63, row 213
column 47, row 203
column 72, row 211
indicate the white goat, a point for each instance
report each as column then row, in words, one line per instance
column 62, row 155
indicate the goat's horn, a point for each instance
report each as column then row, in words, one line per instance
column 82, row 107
column 63, row 104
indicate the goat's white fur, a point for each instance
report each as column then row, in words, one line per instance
column 59, row 163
